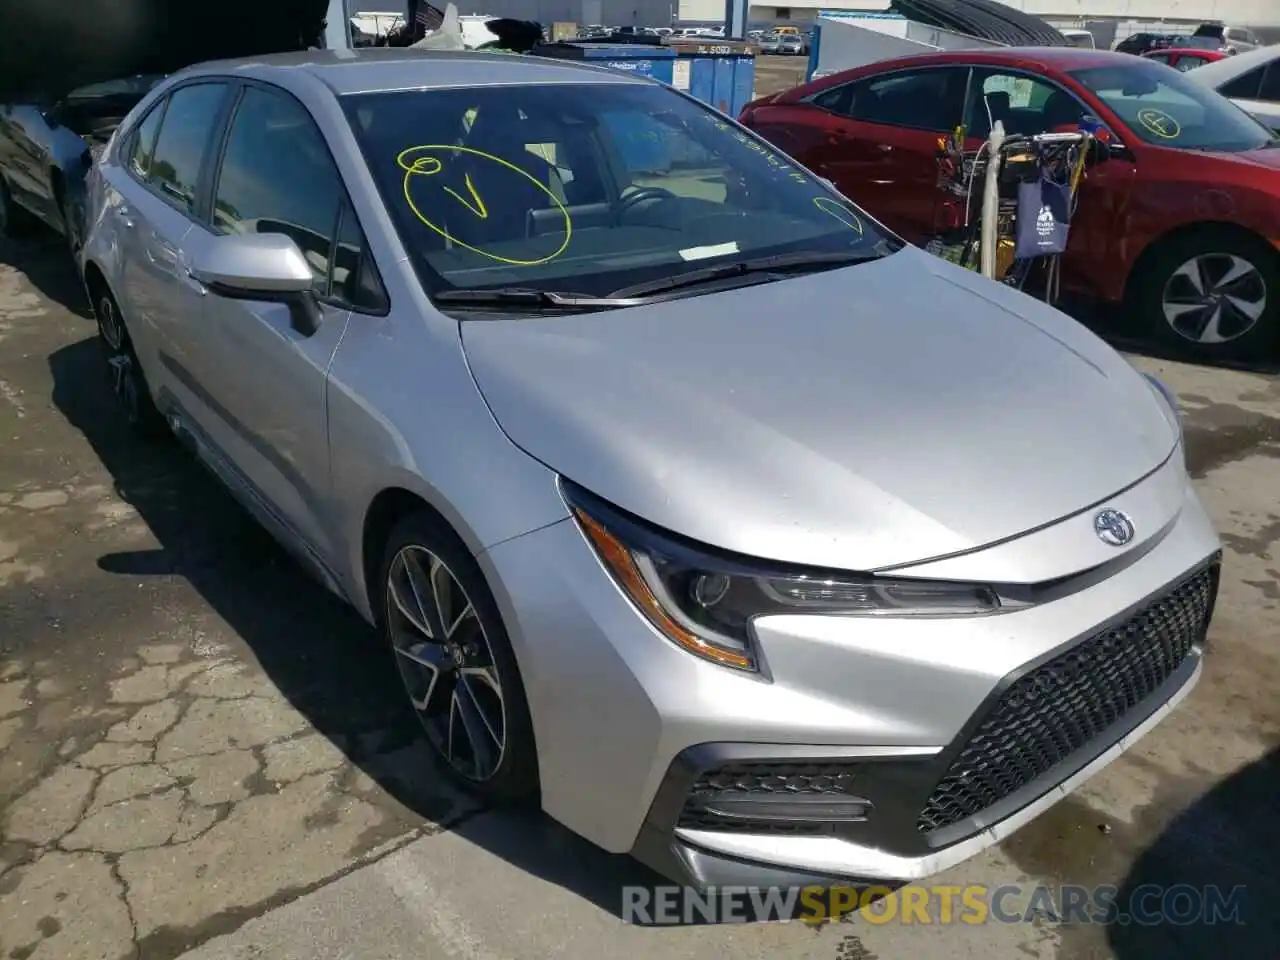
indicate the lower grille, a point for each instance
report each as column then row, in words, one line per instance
column 766, row 782
column 1066, row 703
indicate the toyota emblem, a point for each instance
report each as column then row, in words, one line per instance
column 1113, row 528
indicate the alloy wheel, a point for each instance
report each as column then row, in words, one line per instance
column 109, row 324
column 1214, row 298
column 446, row 663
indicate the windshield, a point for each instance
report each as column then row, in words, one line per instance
column 588, row 187
column 1165, row 108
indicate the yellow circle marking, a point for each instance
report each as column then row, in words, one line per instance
column 419, row 162
column 839, row 211
column 1159, row 123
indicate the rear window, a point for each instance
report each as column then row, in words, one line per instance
column 588, row 187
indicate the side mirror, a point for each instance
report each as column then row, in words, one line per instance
column 267, row 267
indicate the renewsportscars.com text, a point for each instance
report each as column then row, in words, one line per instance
column 1147, row 905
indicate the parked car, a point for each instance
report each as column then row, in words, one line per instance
column 1231, row 40
column 771, row 43
column 1177, row 218
column 792, row 45
column 1252, row 81
column 62, row 95
column 46, row 149
column 1079, row 37
column 646, row 540
column 1184, row 58
column 1140, row 43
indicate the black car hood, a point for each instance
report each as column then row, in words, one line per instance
column 50, row 47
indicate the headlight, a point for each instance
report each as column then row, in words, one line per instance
column 706, row 603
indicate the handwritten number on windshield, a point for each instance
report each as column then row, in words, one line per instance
column 424, row 162
column 475, row 205
column 837, row 210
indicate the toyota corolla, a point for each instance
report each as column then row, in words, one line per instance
column 695, row 506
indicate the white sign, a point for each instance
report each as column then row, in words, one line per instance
column 680, row 74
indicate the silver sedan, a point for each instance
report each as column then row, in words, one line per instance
column 693, row 503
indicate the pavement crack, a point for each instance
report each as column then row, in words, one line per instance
column 114, row 863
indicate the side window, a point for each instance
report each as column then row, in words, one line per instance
column 142, row 142
column 1024, row 105
column 277, row 177
column 1270, row 89
column 355, row 279
column 1245, row 86
column 1161, row 57
column 837, row 99
column 1189, row 63
column 184, row 135
column 923, row 99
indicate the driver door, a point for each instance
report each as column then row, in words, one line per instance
column 263, row 382
column 1029, row 105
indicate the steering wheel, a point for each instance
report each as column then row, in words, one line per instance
column 641, row 194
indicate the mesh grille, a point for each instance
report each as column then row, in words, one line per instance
column 1069, row 702
column 765, row 779
column 1066, row 703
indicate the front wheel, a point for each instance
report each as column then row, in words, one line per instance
column 1214, row 294
column 456, row 661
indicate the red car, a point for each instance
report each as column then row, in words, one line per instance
column 1185, row 58
column 1179, row 216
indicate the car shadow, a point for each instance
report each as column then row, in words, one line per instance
column 322, row 656
column 44, row 260
column 1221, row 852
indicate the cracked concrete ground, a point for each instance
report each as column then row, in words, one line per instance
column 200, row 749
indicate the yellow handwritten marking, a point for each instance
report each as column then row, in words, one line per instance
column 1159, row 123
column 477, row 207
column 418, row 162
column 838, row 210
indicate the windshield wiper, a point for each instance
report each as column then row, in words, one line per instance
column 516, row 297
column 777, row 264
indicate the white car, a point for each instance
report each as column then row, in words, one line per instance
column 1250, row 80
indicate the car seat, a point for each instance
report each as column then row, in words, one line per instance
column 1060, row 110
column 506, row 196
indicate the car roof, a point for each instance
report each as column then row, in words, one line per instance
column 385, row 69
column 1228, row 68
column 1047, row 59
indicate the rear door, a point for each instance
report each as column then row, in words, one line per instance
column 155, row 209
column 880, row 142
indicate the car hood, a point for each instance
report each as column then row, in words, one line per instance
column 58, row 45
column 862, row 418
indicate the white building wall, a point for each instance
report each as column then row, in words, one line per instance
column 1256, row 13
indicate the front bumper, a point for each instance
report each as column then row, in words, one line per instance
column 634, row 734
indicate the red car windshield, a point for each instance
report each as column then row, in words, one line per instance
column 1165, row 108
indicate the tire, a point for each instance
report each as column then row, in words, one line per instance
column 15, row 220
column 477, row 696
column 1213, row 294
column 128, row 382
